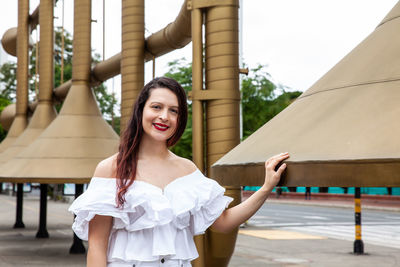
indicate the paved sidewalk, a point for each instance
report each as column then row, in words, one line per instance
column 19, row 247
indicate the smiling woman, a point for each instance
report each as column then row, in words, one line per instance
column 145, row 204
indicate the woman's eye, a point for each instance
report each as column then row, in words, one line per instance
column 174, row 111
column 156, row 107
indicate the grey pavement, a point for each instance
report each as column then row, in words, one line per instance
column 19, row 247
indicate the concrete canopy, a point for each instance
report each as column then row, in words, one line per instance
column 343, row 131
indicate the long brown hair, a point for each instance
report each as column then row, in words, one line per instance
column 130, row 139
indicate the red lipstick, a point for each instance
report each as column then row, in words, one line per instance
column 160, row 126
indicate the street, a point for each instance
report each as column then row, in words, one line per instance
column 378, row 227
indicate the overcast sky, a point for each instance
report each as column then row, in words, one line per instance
column 299, row 40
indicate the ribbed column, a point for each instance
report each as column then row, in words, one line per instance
column 222, row 73
column 22, row 57
column 223, row 134
column 81, row 59
column 46, row 50
column 132, row 62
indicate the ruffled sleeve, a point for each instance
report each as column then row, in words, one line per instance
column 143, row 209
column 197, row 202
column 98, row 199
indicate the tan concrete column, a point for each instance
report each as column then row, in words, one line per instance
column 222, row 115
column 222, row 73
column 46, row 51
column 23, row 58
column 20, row 121
column 45, row 112
column 82, row 42
column 132, row 61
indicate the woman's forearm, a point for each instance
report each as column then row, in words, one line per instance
column 235, row 216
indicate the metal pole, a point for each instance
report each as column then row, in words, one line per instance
column 197, row 84
column 197, row 115
column 20, row 196
column 37, row 66
column 104, row 30
column 358, row 243
column 62, row 46
column 154, row 67
column 77, row 245
column 42, row 232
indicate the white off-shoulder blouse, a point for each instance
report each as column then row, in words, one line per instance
column 154, row 222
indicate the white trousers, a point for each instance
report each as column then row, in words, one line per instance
column 159, row 263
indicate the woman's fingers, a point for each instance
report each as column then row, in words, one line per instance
column 272, row 173
column 281, row 169
column 275, row 160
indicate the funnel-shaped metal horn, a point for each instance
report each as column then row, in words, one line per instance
column 70, row 148
column 20, row 121
column 343, row 131
column 45, row 112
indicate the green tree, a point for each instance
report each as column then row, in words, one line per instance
column 8, row 81
column 3, row 103
column 262, row 99
column 7, row 89
column 181, row 71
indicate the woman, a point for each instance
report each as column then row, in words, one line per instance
column 144, row 204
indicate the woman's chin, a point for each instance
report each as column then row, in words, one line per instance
column 157, row 137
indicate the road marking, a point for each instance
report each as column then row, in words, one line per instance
column 279, row 234
column 268, row 224
column 315, row 218
column 382, row 235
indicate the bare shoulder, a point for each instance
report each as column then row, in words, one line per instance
column 186, row 165
column 107, row 167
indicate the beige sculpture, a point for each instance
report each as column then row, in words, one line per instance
column 343, row 131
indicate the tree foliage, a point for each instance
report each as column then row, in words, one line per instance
column 8, row 81
column 181, row 71
column 262, row 99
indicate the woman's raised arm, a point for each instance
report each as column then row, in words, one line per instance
column 233, row 217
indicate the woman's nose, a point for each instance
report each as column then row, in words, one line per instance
column 164, row 114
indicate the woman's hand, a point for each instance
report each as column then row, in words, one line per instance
column 233, row 217
column 272, row 177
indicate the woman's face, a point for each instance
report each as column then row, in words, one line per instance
column 160, row 114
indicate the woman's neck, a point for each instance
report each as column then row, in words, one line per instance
column 149, row 148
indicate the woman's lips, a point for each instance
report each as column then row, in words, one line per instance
column 160, row 126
